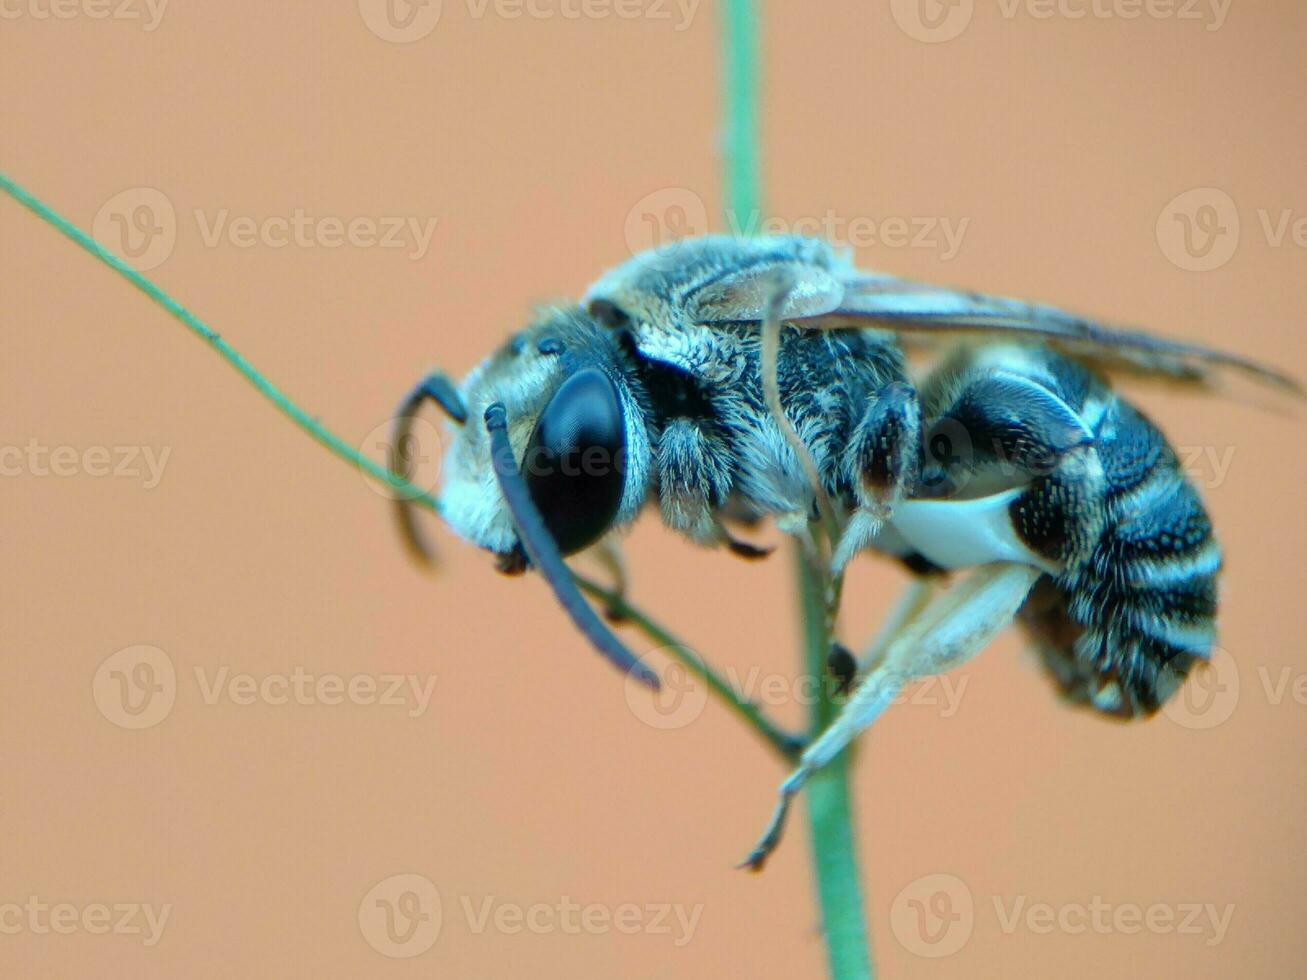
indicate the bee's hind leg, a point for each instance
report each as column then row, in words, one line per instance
column 950, row 630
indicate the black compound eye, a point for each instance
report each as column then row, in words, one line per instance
column 575, row 464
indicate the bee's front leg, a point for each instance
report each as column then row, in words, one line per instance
column 607, row 553
column 882, row 464
column 694, row 471
column 949, row 631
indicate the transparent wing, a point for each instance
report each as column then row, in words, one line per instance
column 918, row 309
column 718, row 279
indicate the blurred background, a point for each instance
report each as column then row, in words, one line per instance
column 240, row 735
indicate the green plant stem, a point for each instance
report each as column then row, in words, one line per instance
column 211, row 337
column 830, row 812
column 741, row 142
column 784, row 743
column 830, row 820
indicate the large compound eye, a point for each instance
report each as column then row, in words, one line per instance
column 576, row 461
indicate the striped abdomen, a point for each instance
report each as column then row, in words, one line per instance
column 1121, row 626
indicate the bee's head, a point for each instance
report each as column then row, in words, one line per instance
column 576, row 426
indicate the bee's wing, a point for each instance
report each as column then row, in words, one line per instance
column 912, row 308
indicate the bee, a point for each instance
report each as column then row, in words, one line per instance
column 732, row 380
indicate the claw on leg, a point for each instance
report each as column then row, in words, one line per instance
column 776, row 828
column 945, row 631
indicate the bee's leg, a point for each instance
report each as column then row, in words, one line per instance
column 608, row 555
column 949, row 631
column 882, row 464
column 438, row 388
column 694, row 473
column 781, row 285
column 740, row 548
column 911, row 604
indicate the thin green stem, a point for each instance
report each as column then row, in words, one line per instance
column 229, row 354
column 830, row 819
column 830, row 813
column 743, row 180
column 784, row 743
column 788, row 745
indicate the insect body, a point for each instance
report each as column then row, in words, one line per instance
column 727, row 378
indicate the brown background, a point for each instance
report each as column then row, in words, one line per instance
column 530, row 777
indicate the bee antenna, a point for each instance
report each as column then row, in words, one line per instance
column 543, row 551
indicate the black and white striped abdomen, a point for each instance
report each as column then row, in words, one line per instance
column 1135, row 606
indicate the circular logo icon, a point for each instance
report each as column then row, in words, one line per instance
column 139, row 225
column 135, row 687
column 417, row 450
column 400, row 916
column 949, row 454
column 1198, row 231
column 933, row 916
column 400, row 21
column 677, row 703
column 1208, row 698
column 932, row 21
column 664, row 218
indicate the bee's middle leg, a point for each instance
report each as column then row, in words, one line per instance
column 950, row 630
column 882, row 464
